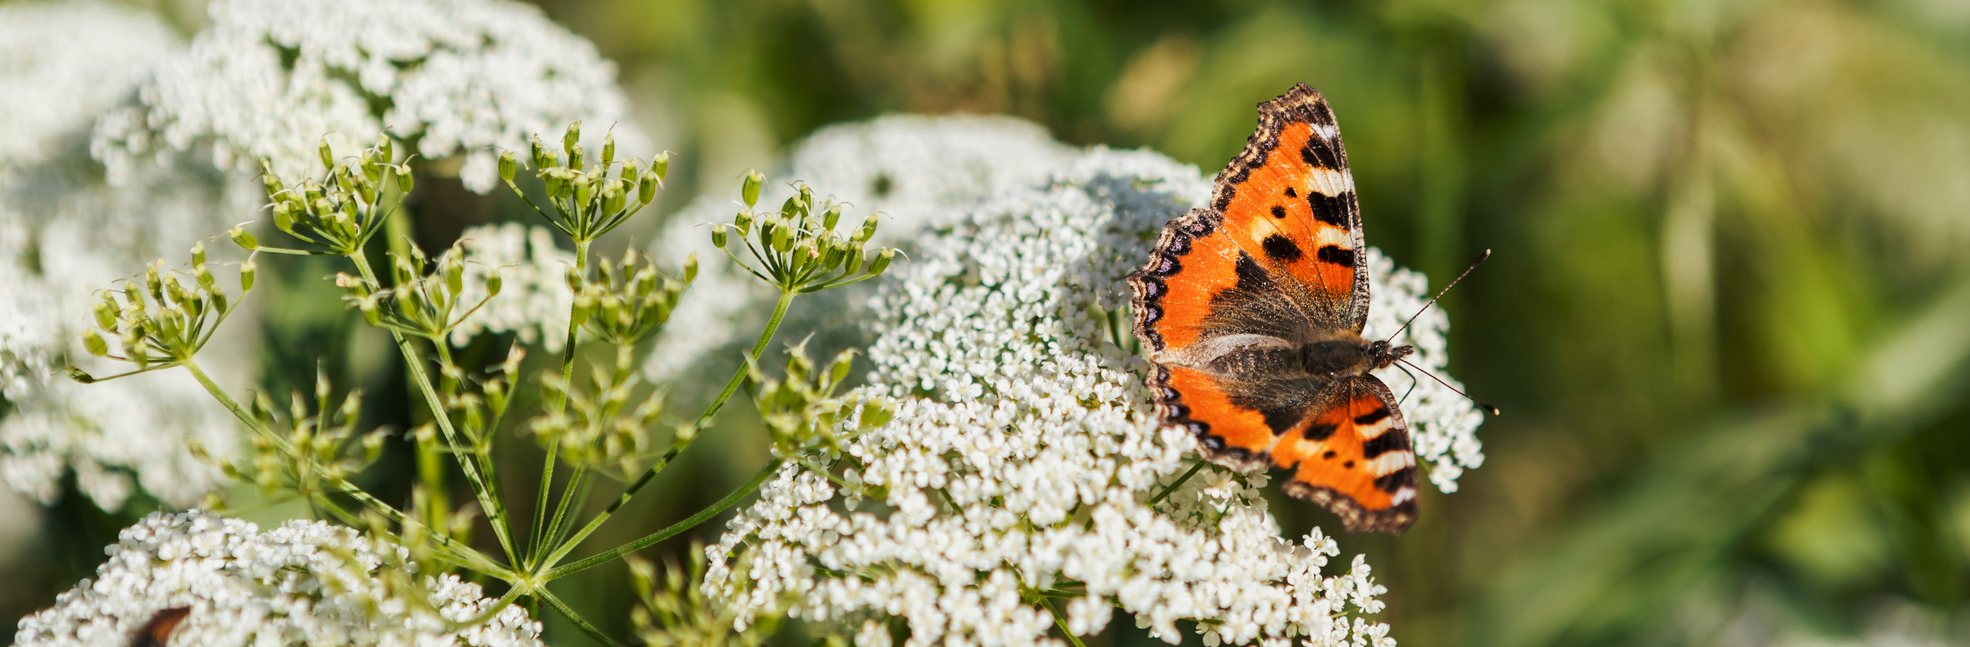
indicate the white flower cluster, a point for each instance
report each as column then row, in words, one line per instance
column 269, row 78
column 65, row 234
column 1023, row 454
column 303, row 583
column 64, row 63
column 915, row 170
column 533, row 300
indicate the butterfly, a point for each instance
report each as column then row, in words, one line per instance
column 156, row 632
column 1251, row 311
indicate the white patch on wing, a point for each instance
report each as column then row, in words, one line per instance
column 1388, row 463
column 1403, row 495
column 1330, row 182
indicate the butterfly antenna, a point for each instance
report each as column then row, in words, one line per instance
column 1487, row 408
column 1439, row 294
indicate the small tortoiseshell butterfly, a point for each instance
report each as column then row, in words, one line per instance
column 1252, row 310
column 156, row 632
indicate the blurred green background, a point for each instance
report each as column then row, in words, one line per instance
column 1727, row 318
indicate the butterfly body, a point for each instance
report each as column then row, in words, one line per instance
column 1252, row 311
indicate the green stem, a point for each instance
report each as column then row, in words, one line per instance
column 1173, row 484
column 702, row 516
column 430, row 465
column 537, row 542
column 732, row 386
column 576, row 618
column 1061, row 622
column 758, row 348
column 495, row 509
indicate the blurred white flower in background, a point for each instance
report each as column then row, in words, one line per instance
column 1024, row 455
column 303, row 583
column 533, row 300
column 915, row 170
column 65, row 234
column 269, row 78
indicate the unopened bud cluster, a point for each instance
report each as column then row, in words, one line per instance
column 588, row 196
column 478, row 413
column 422, row 305
column 321, row 446
column 802, row 413
column 628, row 301
column 797, row 247
column 594, row 430
column 161, row 318
column 342, row 210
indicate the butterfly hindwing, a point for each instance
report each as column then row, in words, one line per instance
column 1289, row 200
column 1352, row 455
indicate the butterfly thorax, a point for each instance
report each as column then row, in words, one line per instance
column 1349, row 355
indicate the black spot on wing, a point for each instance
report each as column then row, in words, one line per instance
column 1396, row 480
column 1383, row 444
column 1372, row 417
column 1281, row 419
column 1336, row 255
column 1279, row 211
column 1251, row 277
column 1281, row 249
column 1332, row 210
column 1291, row 193
column 1319, row 431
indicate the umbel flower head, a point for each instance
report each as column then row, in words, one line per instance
column 1024, row 473
column 268, row 77
column 303, row 583
column 914, row 171
column 64, row 234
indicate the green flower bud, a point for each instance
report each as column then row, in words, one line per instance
column 493, row 284
column 584, row 190
column 246, row 271
column 106, row 312
column 749, row 191
column 882, row 261
column 574, row 280
column 569, row 138
column 832, row 216
column 613, row 200
column 854, row 259
column 93, row 341
column 327, row 156
column 584, row 306
column 267, row 179
column 574, row 156
column 371, row 312
column 404, row 179
column 198, row 255
column 744, row 222
column 718, row 236
column 646, row 187
column 538, row 153
column 454, row 272
column 509, row 164
column 244, row 239
column 80, row 375
column 660, row 165
column 609, row 149
column 782, row 239
column 867, row 231
column 691, row 267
